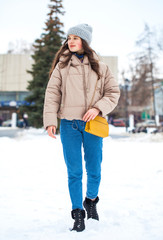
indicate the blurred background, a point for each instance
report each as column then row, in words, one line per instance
column 128, row 37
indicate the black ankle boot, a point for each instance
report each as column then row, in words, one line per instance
column 78, row 215
column 90, row 207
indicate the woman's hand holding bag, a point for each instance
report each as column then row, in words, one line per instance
column 96, row 125
column 91, row 114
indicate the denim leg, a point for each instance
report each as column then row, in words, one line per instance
column 93, row 158
column 71, row 139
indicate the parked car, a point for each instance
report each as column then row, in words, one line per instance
column 6, row 123
column 139, row 130
column 147, row 123
column 158, row 130
column 119, row 123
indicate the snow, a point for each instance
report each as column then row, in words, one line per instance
column 34, row 199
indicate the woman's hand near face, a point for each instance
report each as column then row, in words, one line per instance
column 91, row 114
column 51, row 131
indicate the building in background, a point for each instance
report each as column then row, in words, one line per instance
column 14, row 80
column 112, row 62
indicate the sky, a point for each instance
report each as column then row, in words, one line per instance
column 116, row 23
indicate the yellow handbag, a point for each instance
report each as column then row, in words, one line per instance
column 99, row 125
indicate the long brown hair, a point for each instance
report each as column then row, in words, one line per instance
column 87, row 51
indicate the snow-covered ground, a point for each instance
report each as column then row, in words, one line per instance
column 34, row 199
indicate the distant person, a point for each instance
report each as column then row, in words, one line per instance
column 1, row 121
column 25, row 119
column 73, row 77
column 110, row 120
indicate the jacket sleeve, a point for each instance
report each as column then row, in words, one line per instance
column 111, row 94
column 52, row 99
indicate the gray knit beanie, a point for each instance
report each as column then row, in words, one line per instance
column 83, row 31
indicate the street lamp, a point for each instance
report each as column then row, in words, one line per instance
column 126, row 102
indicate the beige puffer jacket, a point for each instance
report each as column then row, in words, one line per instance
column 69, row 91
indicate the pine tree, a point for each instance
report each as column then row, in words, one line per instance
column 45, row 49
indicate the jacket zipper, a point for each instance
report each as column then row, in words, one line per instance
column 84, row 85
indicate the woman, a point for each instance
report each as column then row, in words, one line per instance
column 73, row 77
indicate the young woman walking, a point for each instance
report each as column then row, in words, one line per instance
column 69, row 92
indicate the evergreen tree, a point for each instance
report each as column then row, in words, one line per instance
column 45, row 49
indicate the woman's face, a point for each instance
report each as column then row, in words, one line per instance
column 75, row 43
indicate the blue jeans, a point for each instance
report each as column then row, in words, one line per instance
column 73, row 136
